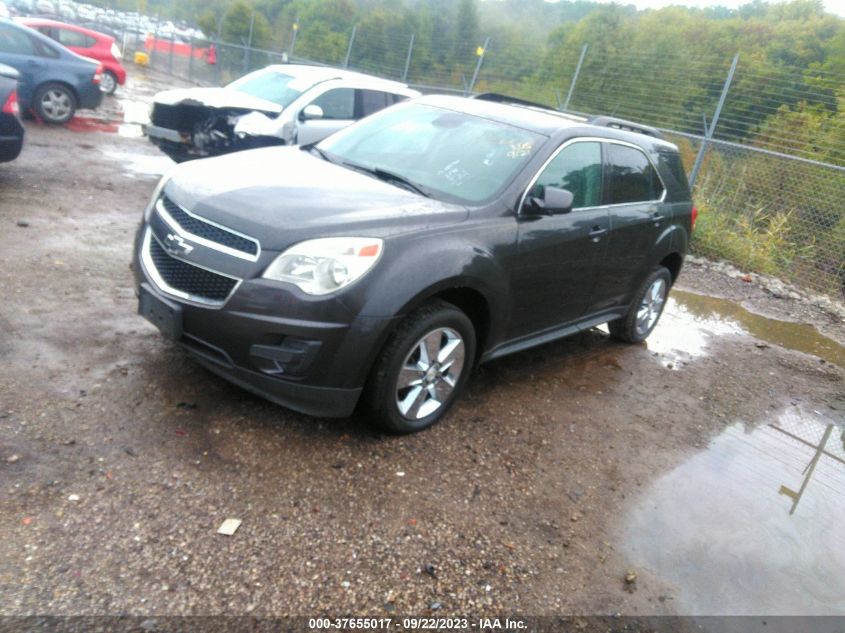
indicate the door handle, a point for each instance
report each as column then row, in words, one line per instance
column 596, row 232
column 657, row 217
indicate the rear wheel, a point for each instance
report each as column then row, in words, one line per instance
column 645, row 310
column 54, row 103
column 422, row 369
column 108, row 82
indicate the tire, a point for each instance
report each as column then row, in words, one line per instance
column 54, row 103
column 108, row 82
column 411, row 400
column 645, row 309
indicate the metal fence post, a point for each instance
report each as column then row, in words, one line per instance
column 248, row 49
column 483, row 52
column 218, row 56
column 575, row 77
column 708, row 132
column 191, row 61
column 170, row 55
column 349, row 48
column 295, row 28
column 408, row 59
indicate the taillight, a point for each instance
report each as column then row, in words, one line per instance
column 694, row 217
column 98, row 75
column 11, row 106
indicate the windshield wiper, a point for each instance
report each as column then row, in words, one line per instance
column 323, row 154
column 389, row 176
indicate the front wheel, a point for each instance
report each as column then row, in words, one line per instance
column 422, row 369
column 55, row 103
column 645, row 310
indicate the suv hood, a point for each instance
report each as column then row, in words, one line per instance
column 216, row 98
column 283, row 195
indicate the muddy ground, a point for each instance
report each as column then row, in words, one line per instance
column 120, row 457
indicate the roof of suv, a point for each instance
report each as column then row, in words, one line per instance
column 542, row 120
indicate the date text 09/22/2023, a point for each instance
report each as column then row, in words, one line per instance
column 416, row 623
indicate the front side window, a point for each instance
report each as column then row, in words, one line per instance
column 15, row 41
column 455, row 156
column 337, row 104
column 577, row 168
column 632, row 176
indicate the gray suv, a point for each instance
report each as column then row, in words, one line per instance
column 378, row 267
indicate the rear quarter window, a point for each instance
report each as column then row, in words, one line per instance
column 632, row 176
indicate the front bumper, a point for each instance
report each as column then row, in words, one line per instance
column 309, row 354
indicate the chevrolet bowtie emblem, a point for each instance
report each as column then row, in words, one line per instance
column 176, row 245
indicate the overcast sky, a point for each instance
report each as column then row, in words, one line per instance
column 834, row 6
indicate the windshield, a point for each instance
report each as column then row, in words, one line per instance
column 449, row 154
column 270, row 85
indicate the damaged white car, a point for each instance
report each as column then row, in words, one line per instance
column 278, row 105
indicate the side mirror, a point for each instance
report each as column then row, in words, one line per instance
column 554, row 201
column 311, row 112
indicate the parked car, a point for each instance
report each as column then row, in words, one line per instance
column 54, row 81
column 88, row 43
column 11, row 129
column 277, row 105
column 383, row 263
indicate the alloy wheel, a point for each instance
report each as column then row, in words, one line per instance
column 430, row 373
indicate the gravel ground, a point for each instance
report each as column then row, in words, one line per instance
column 120, row 457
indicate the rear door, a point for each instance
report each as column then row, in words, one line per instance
column 553, row 280
column 634, row 195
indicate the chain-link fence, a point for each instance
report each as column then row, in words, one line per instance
column 766, row 152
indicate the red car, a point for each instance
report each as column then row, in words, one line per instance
column 87, row 43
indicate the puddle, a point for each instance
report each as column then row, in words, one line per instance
column 750, row 526
column 690, row 321
column 140, row 164
column 87, row 124
column 120, row 116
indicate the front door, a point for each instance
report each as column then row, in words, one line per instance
column 338, row 106
column 555, row 271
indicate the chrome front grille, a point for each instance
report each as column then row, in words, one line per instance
column 206, row 232
column 183, row 279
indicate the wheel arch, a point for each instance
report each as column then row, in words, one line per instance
column 673, row 262
column 467, row 297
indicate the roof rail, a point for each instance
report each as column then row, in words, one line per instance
column 496, row 97
column 622, row 124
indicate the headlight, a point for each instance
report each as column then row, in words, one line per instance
column 115, row 51
column 322, row 266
